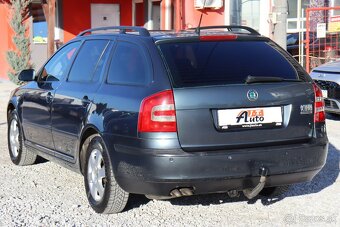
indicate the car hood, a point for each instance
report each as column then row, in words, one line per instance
column 329, row 67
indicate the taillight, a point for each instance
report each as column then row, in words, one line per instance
column 319, row 105
column 157, row 113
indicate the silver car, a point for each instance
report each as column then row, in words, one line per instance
column 327, row 76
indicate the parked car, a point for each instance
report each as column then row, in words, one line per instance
column 293, row 43
column 171, row 114
column 327, row 77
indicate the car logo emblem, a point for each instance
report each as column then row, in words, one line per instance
column 252, row 95
column 322, row 75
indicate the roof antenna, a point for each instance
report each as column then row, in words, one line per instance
column 198, row 30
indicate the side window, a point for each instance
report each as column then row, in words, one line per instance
column 87, row 60
column 101, row 64
column 57, row 66
column 129, row 65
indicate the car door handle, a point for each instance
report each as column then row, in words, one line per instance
column 85, row 101
column 49, row 97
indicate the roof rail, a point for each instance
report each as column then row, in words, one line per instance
column 229, row 27
column 122, row 30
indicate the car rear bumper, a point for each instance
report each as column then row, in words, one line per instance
column 157, row 173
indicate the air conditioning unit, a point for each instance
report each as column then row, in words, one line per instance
column 215, row 4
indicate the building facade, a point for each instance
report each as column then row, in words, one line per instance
column 73, row 16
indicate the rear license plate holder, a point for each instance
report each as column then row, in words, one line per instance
column 250, row 118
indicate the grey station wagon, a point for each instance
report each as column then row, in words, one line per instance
column 171, row 114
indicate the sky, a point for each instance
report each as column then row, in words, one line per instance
column 40, row 29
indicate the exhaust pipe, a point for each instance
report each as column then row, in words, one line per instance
column 175, row 193
column 251, row 193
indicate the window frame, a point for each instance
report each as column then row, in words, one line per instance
column 145, row 54
column 107, row 48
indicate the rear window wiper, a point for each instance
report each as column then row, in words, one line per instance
column 267, row 79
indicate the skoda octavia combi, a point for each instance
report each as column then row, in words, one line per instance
column 171, row 114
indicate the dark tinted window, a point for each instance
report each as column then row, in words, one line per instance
column 129, row 65
column 218, row 63
column 58, row 65
column 85, row 64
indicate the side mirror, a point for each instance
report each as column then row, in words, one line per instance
column 26, row 75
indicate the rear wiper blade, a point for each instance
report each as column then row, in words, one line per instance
column 266, row 79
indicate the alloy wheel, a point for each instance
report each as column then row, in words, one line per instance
column 96, row 175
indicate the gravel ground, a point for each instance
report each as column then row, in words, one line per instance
column 47, row 194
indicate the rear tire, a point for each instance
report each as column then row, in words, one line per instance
column 18, row 152
column 274, row 191
column 102, row 190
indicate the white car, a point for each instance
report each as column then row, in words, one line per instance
column 327, row 76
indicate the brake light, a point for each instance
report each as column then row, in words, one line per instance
column 218, row 37
column 319, row 105
column 157, row 113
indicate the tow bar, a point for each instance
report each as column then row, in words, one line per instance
column 251, row 193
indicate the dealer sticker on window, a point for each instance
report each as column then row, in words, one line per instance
column 250, row 118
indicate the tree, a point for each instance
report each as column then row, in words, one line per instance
column 19, row 58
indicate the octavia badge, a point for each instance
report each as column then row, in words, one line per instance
column 252, row 95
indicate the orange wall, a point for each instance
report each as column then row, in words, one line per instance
column 5, row 40
column 77, row 15
column 191, row 16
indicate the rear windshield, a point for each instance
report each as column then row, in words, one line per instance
column 218, row 63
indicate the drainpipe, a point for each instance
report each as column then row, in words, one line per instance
column 178, row 21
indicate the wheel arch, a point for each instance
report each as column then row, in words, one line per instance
column 10, row 108
column 88, row 132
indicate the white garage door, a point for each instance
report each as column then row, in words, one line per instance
column 103, row 15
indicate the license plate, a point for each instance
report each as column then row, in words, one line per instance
column 325, row 93
column 250, row 118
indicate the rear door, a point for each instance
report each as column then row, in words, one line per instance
column 74, row 96
column 217, row 109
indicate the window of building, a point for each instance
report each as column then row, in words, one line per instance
column 129, row 65
column 87, row 60
column 292, row 17
column 245, row 12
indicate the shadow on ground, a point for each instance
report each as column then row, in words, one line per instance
column 325, row 178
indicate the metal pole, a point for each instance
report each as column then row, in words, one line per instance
column 307, row 40
column 299, row 28
column 302, row 62
column 280, row 30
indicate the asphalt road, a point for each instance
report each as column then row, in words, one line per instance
column 46, row 194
